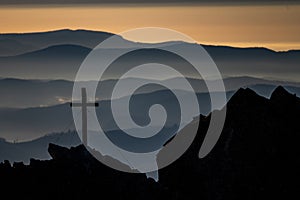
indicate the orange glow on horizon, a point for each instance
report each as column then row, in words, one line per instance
column 275, row 27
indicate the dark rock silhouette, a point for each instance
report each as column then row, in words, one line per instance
column 256, row 157
column 38, row 148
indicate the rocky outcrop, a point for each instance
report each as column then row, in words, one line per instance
column 256, row 157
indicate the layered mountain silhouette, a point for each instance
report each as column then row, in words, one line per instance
column 54, row 62
column 25, row 124
column 256, row 157
column 59, row 54
column 16, row 44
column 22, row 93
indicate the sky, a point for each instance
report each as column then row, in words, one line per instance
column 275, row 26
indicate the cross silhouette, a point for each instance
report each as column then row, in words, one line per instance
column 84, row 104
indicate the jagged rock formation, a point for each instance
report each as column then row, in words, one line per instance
column 256, row 157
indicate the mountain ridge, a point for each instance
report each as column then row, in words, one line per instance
column 55, row 31
column 231, row 61
column 256, row 157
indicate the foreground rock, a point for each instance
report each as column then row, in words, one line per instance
column 256, row 157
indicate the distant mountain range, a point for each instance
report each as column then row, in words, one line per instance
column 256, row 157
column 38, row 70
column 29, row 123
column 58, row 55
column 16, row 44
column 26, row 122
column 21, row 93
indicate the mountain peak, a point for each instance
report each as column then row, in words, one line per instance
column 244, row 95
column 281, row 96
column 280, row 92
column 246, row 91
column 247, row 100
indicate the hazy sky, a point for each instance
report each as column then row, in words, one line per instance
column 272, row 26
